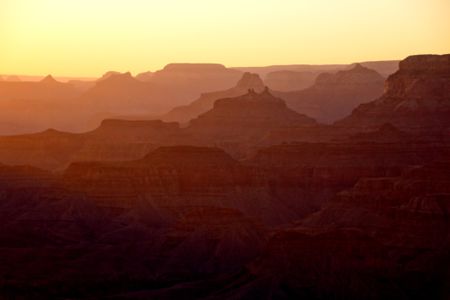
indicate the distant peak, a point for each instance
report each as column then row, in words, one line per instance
column 250, row 81
column 358, row 67
column 49, row 79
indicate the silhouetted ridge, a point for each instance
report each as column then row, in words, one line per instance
column 264, row 98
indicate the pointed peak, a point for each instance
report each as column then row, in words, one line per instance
column 358, row 67
column 266, row 91
column 49, row 79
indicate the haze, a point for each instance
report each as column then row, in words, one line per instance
column 87, row 38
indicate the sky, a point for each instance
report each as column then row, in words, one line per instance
column 90, row 37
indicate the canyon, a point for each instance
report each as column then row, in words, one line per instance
column 247, row 198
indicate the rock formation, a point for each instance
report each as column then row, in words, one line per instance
column 416, row 97
column 184, row 114
column 246, row 117
column 139, row 209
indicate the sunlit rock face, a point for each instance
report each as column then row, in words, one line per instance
column 416, row 98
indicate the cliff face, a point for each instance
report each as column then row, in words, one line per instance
column 198, row 217
column 177, row 178
column 416, row 97
column 371, row 231
column 334, row 96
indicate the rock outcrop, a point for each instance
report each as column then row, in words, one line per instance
column 246, row 117
column 416, row 97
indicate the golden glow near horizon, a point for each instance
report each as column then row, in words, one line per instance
column 89, row 37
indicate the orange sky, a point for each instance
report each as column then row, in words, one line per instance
column 89, row 37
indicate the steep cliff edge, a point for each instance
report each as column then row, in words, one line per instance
column 416, row 98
